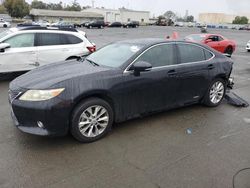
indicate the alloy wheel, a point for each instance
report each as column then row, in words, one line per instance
column 93, row 121
column 216, row 92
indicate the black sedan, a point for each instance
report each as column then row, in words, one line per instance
column 115, row 24
column 132, row 24
column 120, row 81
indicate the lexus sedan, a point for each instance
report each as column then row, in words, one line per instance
column 123, row 80
column 215, row 41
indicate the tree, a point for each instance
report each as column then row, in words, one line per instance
column 190, row 18
column 2, row 10
column 38, row 4
column 240, row 20
column 17, row 8
column 55, row 6
column 74, row 7
column 170, row 15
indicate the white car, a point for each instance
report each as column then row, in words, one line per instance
column 4, row 24
column 43, row 23
column 248, row 46
column 23, row 49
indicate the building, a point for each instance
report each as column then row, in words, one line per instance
column 68, row 16
column 218, row 18
column 121, row 15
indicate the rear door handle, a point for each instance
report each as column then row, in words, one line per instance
column 172, row 72
column 210, row 67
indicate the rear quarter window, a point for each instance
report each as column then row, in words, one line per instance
column 71, row 39
column 189, row 53
column 208, row 55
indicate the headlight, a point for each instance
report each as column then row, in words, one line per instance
column 40, row 95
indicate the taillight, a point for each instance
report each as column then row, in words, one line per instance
column 91, row 49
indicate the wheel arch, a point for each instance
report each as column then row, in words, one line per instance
column 73, row 57
column 221, row 76
column 98, row 94
column 229, row 46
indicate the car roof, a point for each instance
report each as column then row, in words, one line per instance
column 153, row 41
column 46, row 28
column 143, row 41
column 147, row 42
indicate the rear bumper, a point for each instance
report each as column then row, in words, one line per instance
column 230, row 83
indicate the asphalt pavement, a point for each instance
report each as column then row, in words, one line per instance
column 192, row 147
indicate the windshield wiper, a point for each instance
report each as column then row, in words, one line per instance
column 92, row 62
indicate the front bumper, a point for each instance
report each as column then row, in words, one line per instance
column 47, row 118
column 248, row 47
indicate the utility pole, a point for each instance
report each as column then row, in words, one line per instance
column 93, row 4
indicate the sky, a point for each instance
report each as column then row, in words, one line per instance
column 158, row 7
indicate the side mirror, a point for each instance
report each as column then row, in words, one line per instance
column 208, row 40
column 141, row 66
column 4, row 46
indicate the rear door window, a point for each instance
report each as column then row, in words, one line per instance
column 49, row 39
column 21, row 40
column 189, row 53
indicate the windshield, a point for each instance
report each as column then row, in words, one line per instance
column 114, row 55
column 5, row 33
column 197, row 38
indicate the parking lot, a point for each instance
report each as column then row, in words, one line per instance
column 155, row 151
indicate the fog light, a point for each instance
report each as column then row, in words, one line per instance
column 40, row 124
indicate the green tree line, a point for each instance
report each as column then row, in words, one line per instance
column 20, row 8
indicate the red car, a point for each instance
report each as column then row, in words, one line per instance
column 218, row 42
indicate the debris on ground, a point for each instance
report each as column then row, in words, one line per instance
column 235, row 100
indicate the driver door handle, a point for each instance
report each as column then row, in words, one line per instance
column 210, row 67
column 172, row 72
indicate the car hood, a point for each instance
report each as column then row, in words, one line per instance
column 49, row 75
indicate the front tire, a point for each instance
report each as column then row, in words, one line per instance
column 5, row 26
column 215, row 93
column 92, row 119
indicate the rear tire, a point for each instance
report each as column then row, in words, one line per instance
column 229, row 50
column 92, row 119
column 248, row 50
column 215, row 93
column 5, row 26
